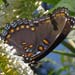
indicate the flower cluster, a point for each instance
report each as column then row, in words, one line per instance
column 17, row 61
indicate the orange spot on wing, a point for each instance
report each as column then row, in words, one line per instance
column 45, row 41
column 41, row 48
column 33, row 28
column 22, row 26
column 8, row 36
column 30, row 46
column 48, row 21
column 25, row 48
column 12, row 30
column 62, row 14
column 23, row 43
column 27, row 26
column 6, row 41
column 58, row 14
column 29, row 54
column 17, row 28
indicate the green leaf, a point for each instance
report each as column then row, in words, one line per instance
column 62, row 59
column 66, row 44
column 62, row 69
column 70, row 4
column 64, row 53
column 71, row 35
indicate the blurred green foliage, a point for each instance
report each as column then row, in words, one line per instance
column 52, row 2
column 1, row 1
column 63, row 3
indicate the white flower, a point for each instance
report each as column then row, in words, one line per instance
column 17, row 61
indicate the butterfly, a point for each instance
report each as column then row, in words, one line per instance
column 34, row 39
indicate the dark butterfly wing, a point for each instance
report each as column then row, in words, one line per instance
column 34, row 39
